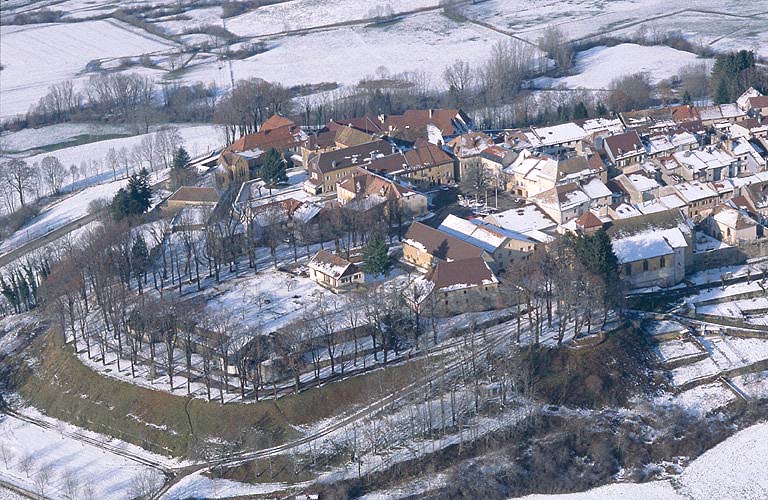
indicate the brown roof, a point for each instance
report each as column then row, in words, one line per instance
column 276, row 121
column 280, row 138
column 760, row 101
column 322, row 140
column 332, row 265
column 388, row 164
column 191, row 194
column 449, row 121
column 441, row 245
column 348, row 136
column 348, row 157
column 364, row 183
column 366, row 124
column 468, row 272
column 425, row 155
column 685, row 113
column 620, row 144
column 588, row 220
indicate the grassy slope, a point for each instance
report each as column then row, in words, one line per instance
column 64, row 388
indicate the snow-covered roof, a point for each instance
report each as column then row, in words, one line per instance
column 743, row 100
column 524, row 219
column 597, row 125
column 331, row 264
column 533, row 167
column 472, row 233
column 626, row 211
column 694, row 191
column 664, row 143
column 556, row 134
column 648, row 244
column 595, row 189
column 703, row 159
column 642, row 183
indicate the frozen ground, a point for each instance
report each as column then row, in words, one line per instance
column 37, row 56
column 424, row 43
column 199, row 486
column 597, row 67
column 31, row 138
column 34, row 451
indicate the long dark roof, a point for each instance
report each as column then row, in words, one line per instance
column 441, row 245
column 356, row 155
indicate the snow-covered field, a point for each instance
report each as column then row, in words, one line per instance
column 37, row 56
column 31, row 138
column 303, row 14
column 34, row 453
column 424, row 43
column 597, row 67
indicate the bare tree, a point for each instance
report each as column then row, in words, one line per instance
column 19, row 176
column 459, row 78
column 53, row 173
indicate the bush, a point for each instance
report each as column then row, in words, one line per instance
column 11, row 223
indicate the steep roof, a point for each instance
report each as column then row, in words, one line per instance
column 449, row 121
column 276, row 121
column 439, row 244
column 349, row 136
column 458, row 275
column 732, row 217
column 479, row 236
column 355, row 155
column 364, row 183
column 588, row 220
column 425, row 155
column 648, row 244
column 625, row 144
column 279, row 138
column 331, row 264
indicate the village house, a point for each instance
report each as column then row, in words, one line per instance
column 756, row 195
column 528, row 220
column 648, row 119
column 624, row 149
column 588, row 224
column 700, row 198
column 531, row 174
column 240, row 160
column 428, row 163
column 759, row 105
column 563, row 202
column 599, row 194
column 495, row 159
column 455, row 287
column 330, row 167
column 720, row 113
column 652, row 256
column 708, row 164
column 320, row 141
column 637, row 188
column 425, row 246
column 749, row 128
column 191, row 196
column 467, row 149
column 556, row 137
column 743, row 101
column 730, row 225
column 435, row 125
column 333, row 271
column 684, row 113
column 671, row 142
column 362, row 184
column 504, row 246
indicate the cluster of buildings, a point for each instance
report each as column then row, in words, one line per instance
column 661, row 181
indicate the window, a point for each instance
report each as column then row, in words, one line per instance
column 662, row 262
column 645, row 265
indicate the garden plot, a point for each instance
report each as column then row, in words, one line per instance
column 673, row 351
column 754, row 385
column 724, row 294
column 598, row 66
column 699, row 371
column 304, row 14
column 269, row 300
column 664, row 329
column 425, row 43
column 705, row 398
column 97, row 472
column 35, row 57
column 750, row 310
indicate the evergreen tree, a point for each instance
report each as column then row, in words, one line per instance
column 136, row 199
column 376, row 259
column 600, row 109
column 273, row 168
column 580, row 111
column 180, row 158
